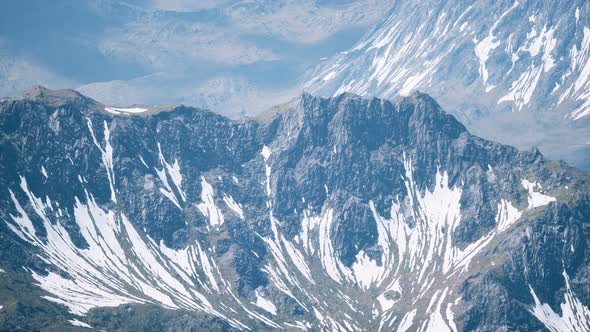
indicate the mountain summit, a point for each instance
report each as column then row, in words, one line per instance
column 339, row 214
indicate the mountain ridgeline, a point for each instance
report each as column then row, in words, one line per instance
column 335, row 214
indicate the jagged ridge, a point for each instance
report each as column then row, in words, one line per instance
column 339, row 213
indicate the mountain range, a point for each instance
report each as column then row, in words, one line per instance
column 338, row 213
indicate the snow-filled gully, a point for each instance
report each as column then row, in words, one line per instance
column 405, row 290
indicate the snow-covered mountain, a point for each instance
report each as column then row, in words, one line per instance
column 334, row 214
column 513, row 71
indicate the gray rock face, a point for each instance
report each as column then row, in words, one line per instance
column 513, row 71
column 336, row 213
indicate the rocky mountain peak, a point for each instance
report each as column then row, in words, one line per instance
column 348, row 111
column 57, row 98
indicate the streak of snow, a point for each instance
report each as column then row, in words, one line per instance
column 107, row 156
column 266, row 154
column 172, row 171
column 406, row 321
column 229, row 201
column 575, row 316
column 76, row 322
column 208, row 207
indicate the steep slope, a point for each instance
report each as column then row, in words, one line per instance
column 513, row 71
column 333, row 214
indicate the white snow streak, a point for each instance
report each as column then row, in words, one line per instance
column 76, row 322
column 575, row 316
column 172, row 171
column 208, row 207
column 107, row 156
column 129, row 110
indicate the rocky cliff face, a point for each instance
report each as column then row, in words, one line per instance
column 336, row 213
column 513, row 71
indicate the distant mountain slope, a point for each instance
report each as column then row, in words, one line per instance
column 513, row 71
column 333, row 214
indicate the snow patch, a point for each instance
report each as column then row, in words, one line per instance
column 130, row 110
column 266, row 154
column 265, row 304
column 535, row 198
column 76, row 322
column 366, row 270
column 506, row 216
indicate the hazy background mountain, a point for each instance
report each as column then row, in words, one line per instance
column 154, row 52
column 516, row 72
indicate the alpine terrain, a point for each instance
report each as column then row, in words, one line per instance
column 324, row 214
column 513, row 71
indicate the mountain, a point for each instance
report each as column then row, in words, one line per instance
column 340, row 214
column 516, row 72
